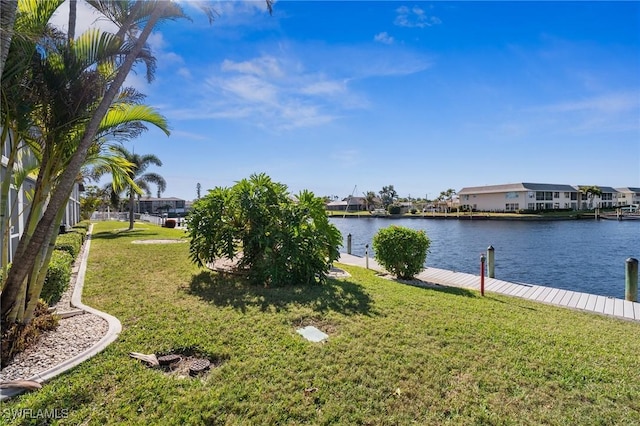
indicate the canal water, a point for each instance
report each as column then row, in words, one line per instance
column 580, row 255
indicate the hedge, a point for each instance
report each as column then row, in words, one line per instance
column 70, row 242
column 58, row 276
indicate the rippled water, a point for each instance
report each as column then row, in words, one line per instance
column 580, row 255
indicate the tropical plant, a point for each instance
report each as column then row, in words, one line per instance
column 590, row 192
column 89, row 71
column 282, row 241
column 388, row 195
column 370, row 199
column 401, row 251
column 138, row 181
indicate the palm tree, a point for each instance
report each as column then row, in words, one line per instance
column 73, row 140
column 370, row 199
column 590, row 191
column 99, row 64
column 139, row 178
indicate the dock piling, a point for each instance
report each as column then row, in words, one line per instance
column 482, row 259
column 491, row 260
column 366, row 255
column 349, row 244
column 631, row 280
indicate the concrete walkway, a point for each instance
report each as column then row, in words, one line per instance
column 619, row 308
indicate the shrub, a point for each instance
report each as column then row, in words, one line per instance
column 282, row 241
column 58, row 276
column 401, row 251
column 170, row 223
column 80, row 231
column 82, row 225
column 414, row 211
column 70, row 242
column 394, row 209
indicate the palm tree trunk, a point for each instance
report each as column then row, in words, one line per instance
column 131, row 209
column 8, row 10
column 73, row 7
column 27, row 253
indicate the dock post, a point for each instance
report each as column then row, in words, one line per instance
column 349, row 244
column 482, row 259
column 631, row 280
column 491, row 260
column 366, row 255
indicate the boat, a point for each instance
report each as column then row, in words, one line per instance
column 379, row 213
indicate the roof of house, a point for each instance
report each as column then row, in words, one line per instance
column 161, row 199
column 628, row 189
column 602, row 188
column 514, row 187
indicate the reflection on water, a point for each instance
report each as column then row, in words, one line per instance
column 580, row 255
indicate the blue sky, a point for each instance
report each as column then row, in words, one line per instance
column 342, row 95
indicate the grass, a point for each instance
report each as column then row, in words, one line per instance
column 396, row 354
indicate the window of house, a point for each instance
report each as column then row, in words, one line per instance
column 556, row 195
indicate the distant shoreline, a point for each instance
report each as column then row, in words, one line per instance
column 466, row 216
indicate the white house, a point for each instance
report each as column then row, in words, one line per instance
column 627, row 196
column 518, row 196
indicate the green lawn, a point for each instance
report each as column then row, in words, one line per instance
column 397, row 354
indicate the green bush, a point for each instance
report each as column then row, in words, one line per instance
column 79, row 231
column 58, row 276
column 85, row 224
column 394, row 209
column 401, row 251
column 282, row 241
column 70, row 242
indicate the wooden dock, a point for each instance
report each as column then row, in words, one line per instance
column 554, row 296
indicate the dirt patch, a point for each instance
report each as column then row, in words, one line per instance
column 323, row 324
column 158, row 241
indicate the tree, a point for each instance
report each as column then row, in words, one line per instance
column 282, row 241
column 590, row 191
column 370, row 199
column 388, row 195
column 115, row 67
column 140, row 180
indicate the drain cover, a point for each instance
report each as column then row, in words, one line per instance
column 312, row 334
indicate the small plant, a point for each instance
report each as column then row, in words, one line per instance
column 401, row 251
column 58, row 276
column 170, row 223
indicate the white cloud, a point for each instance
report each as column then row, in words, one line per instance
column 184, row 72
column 325, row 88
column 384, row 38
column 262, row 67
column 415, row 17
column 86, row 17
column 612, row 103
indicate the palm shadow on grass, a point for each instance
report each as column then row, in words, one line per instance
column 111, row 235
column 223, row 290
column 457, row 291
